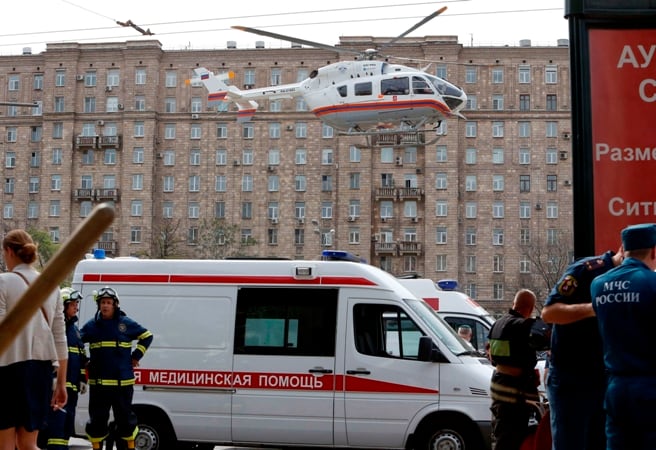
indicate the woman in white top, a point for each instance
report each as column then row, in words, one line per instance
column 26, row 366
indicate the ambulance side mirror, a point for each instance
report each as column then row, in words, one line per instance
column 428, row 352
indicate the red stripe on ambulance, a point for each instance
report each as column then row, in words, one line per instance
column 223, row 279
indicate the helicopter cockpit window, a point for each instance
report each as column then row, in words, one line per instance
column 363, row 88
column 341, row 90
column 395, row 86
column 421, row 86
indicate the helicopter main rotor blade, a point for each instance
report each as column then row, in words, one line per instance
column 414, row 27
column 293, row 39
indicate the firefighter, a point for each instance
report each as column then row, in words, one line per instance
column 111, row 368
column 61, row 422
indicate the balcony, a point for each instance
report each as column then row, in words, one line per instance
column 107, row 194
column 110, row 141
column 409, row 248
column 83, row 194
column 108, row 246
column 385, row 193
column 410, row 193
column 385, row 248
column 397, row 139
column 86, row 142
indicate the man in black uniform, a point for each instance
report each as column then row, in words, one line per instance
column 512, row 351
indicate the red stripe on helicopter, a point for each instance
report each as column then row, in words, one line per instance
column 217, row 96
column 354, row 107
column 223, row 279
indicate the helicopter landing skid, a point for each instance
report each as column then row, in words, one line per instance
column 389, row 136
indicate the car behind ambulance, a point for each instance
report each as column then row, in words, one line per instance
column 457, row 308
column 291, row 353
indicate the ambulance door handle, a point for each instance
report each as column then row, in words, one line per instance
column 358, row 372
column 320, row 370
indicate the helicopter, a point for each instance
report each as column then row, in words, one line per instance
column 364, row 96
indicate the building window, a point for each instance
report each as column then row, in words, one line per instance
column 221, row 130
column 440, row 153
column 195, row 131
column 524, row 210
column 472, row 102
column 300, row 156
column 498, row 183
column 497, row 102
column 470, row 263
column 139, row 129
column 10, row 184
column 139, row 103
column 354, row 154
column 552, row 210
column 60, row 78
column 470, row 156
column 168, row 183
column 59, row 104
column 441, row 208
column 196, row 105
column 497, row 263
column 137, row 182
column 551, row 74
column 8, row 211
column 524, row 236
column 169, row 157
column 498, row 209
column 471, row 184
column 524, row 265
column 524, row 155
column 354, row 180
column 470, row 236
column 440, row 180
column 552, row 183
column 471, row 209
column 497, row 236
column 136, row 208
column 440, row 235
column 497, row 291
column 89, row 104
column 470, row 129
column 524, row 129
column 135, row 234
column 440, row 263
column 248, row 130
column 552, row 129
column 470, row 74
column 552, row 102
column 247, row 183
column 497, row 75
column 552, row 155
column 497, row 129
column 524, row 74
column 497, row 156
column 524, row 183
column 113, row 77
column 170, row 78
column 524, row 102
column 193, row 210
column 220, row 183
column 219, row 210
column 300, row 183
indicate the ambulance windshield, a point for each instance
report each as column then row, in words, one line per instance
column 438, row 326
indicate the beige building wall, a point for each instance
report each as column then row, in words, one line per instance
column 119, row 123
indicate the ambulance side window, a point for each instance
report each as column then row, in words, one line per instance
column 286, row 321
column 385, row 330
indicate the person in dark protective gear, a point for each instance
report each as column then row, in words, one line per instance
column 61, row 423
column 624, row 300
column 111, row 376
column 514, row 381
column 576, row 383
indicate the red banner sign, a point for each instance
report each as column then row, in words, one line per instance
column 623, row 110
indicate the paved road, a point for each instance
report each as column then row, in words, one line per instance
column 83, row 444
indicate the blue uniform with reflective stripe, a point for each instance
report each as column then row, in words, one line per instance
column 111, row 376
column 624, row 300
column 577, row 382
column 61, row 425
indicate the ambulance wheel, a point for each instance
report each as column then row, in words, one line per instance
column 451, row 434
column 155, row 432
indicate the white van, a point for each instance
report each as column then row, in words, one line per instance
column 457, row 308
column 291, row 353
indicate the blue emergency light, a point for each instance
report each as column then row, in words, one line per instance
column 339, row 255
column 447, row 285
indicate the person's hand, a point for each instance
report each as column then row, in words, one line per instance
column 83, row 388
column 59, row 397
column 135, row 362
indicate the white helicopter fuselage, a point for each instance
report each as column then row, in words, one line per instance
column 356, row 96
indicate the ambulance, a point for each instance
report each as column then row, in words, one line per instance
column 288, row 353
column 455, row 307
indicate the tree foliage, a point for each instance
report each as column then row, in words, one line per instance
column 166, row 239
column 46, row 248
column 218, row 239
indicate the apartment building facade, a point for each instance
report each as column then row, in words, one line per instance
column 480, row 199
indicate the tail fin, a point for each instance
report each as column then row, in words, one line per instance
column 218, row 91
